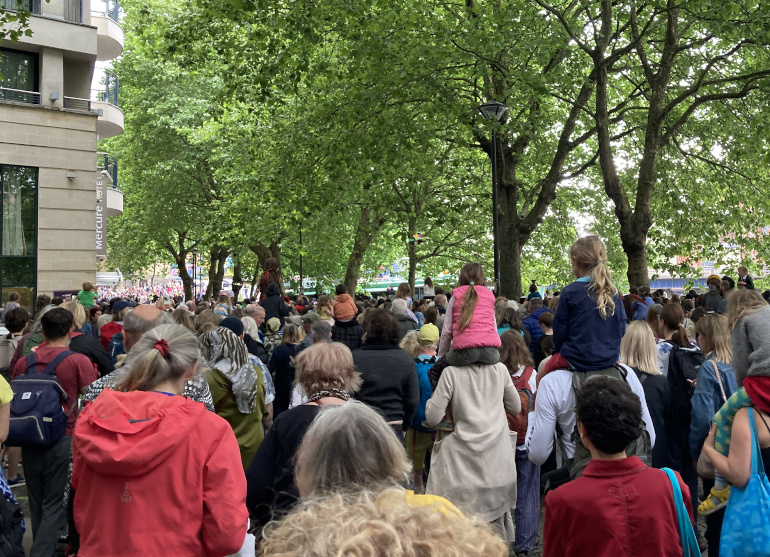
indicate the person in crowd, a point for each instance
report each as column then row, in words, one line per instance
column 389, row 375
column 710, row 300
column 514, row 354
column 93, row 317
column 252, row 339
column 419, row 439
column 13, row 527
column 546, row 326
column 119, row 311
column 281, row 365
column 428, row 291
column 326, row 372
column 479, row 395
column 629, row 506
column 308, row 320
column 139, row 321
column 42, row 301
column 205, row 321
column 87, row 296
column 642, row 307
column 638, row 351
column 344, row 307
column 534, row 292
column 653, row 320
column 440, row 301
column 12, row 303
column 728, row 287
column 404, row 292
column 532, row 322
column 257, row 313
column 507, row 318
column 672, row 333
column 432, row 315
column 145, row 439
column 745, row 281
column 405, row 322
column 272, row 335
column 349, row 332
column 238, row 388
column 182, row 317
column 411, row 343
column 271, row 275
column 32, row 339
column 83, row 343
column 46, row 467
column 274, row 305
column 16, row 320
column 324, row 309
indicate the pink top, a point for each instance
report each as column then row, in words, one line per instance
column 482, row 330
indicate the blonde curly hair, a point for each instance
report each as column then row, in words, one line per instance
column 392, row 523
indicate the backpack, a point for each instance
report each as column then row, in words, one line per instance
column 7, row 350
column 518, row 423
column 573, row 467
column 11, row 530
column 31, row 343
column 683, row 365
column 37, row 414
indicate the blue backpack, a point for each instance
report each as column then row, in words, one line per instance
column 37, row 415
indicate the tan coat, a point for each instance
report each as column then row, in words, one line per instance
column 474, row 466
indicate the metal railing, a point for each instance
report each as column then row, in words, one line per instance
column 109, row 164
column 74, row 103
column 32, row 6
column 108, row 92
column 16, row 95
column 109, row 8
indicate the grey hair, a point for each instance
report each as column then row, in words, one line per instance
column 399, row 306
column 250, row 326
column 349, row 446
column 132, row 323
column 37, row 326
column 321, row 330
column 145, row 366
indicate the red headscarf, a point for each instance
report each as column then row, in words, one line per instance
column 758, row 389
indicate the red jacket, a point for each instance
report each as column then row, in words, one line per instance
column 156, row 475
column 617, row 507
column 107, row 331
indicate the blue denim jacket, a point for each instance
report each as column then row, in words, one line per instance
column 707, row 400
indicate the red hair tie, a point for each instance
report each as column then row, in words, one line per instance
column 162, row 347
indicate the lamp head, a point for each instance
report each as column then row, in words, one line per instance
column 493, row 111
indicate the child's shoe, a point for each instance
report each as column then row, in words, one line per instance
column 716, row 500
column 443, row 425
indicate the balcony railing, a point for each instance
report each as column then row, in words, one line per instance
column 109, row 8
column 108, row 91
column 109, row 164
column 15, row 95
column 32, row 6
column 74, row 103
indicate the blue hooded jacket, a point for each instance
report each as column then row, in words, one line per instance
column 532, row 324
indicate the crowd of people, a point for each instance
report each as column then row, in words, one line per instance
column 349, row 425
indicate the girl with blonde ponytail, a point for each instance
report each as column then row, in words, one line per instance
column 590, row 319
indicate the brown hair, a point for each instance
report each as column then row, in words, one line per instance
column 653, row 319
column 382, row 326
column 590, row 255
column 14, row 297
column 743, row 302
column 672, row 317
column 470, row 275
column 431, row 315
column 514, row 352
column 206, row 320
column 404, row 290
column 182, row 317
column 546, row 318
column 714, row 336
column 327, row 365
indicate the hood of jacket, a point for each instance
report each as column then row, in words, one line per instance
column 273, row 289
column 537, row 313
column 130, row 434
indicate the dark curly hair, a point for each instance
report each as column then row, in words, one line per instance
column 610, row 413
column 382, row 328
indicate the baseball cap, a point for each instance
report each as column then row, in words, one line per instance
column 121, row 305
column 273, row 324
column 428, row 334
column 311, row 317
column 232, row 323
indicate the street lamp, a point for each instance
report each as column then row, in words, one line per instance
column 195, row 273
column 494, row 111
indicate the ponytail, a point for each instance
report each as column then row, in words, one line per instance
column 166, row 352
column 603, row 289
column 471, row 297
column 680, row 337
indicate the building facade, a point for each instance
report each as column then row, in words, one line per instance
column 54, row 107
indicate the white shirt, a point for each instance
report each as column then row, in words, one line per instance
column 555, row 403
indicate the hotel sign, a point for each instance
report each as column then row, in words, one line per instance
column 101, row 217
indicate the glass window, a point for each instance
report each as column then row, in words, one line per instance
column 18, row 270
column 19, row 184
column 18, row 70
column 27, row 299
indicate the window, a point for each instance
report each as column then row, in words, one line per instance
column 16, row 5
column 19, row 76
column 18, row 235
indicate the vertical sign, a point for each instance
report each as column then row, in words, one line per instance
column 101, row 217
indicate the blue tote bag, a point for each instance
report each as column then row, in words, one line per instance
column 686, row 533
column 746, row 526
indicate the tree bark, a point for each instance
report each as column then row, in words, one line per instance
column 237, row 279
column 368, row 226
column 216, row 271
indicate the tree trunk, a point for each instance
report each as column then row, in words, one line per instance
column 254, row 280
column 185, row 276
column 510, row 244
column 237, row 280
column 263, row 253
column 368, row 227
column 411, row 248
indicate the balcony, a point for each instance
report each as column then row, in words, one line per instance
column 104, row 100
column 18, row 96
column 107, row 169
column 109, row 33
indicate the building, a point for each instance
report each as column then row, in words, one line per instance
column 56, row 190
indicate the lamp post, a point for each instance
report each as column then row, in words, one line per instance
column 494, row 111
column 195, row 273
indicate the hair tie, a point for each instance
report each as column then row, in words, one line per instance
column 598, row 261
column 471, row 283
column 162, row 347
